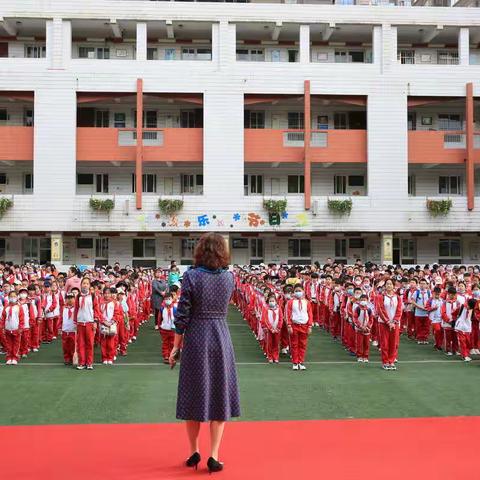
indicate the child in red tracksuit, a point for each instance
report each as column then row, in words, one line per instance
column 12, row 324
column 363, row 322
column 272, row 320
column 108, row 327
column 167, row 314
column 463, row 327
column 68, row 329
column 35, row 319
column 27, row 315
column 299, row 321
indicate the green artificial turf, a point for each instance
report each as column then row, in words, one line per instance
column 141, row 389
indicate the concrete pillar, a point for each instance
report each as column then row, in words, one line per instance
column 141, row 41
column 464, row 46
column 304, row 44
column 55, row 43
column 225, row 43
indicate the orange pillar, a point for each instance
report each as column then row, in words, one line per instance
column 307, row 126
column 470, row 173
column 139, row 148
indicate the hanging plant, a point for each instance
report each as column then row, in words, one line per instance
column 439, row 207
column 5, row 204
column 170, row 207
column 340, row 207
column 275, row 206
column 102, row 205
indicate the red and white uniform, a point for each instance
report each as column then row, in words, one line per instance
column 68, row 333
column 389, row 308
column 12, row 323
column 300, row 319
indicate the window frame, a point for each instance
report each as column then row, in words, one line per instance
column 300, row 187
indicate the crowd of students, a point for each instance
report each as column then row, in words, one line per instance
column 102, row 307
column 360, row 306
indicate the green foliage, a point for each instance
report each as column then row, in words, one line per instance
column 340, row 207
column 439, row 207
column 102, row 205
column 5, row 204
column 170, row 207
column 275, row 206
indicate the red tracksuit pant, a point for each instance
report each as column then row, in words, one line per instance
column 85, row 342
column 388, row 343
column 298, row 343
column 273, row 346
column 25, row 342
column 474, row 336
column 123, row 335
column 107, row 344
column 335, row 324
column 12, row 344
column 363, row 344
column 168, row 337
column 68, row 346
column 463, row 339
column 410, row 324
column 47, row 330
column 450, row 340
column 34, row 334
column 437, row 334
column 315, row 312
column 284, row 336
column 422, row 328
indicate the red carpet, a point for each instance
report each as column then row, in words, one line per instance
column 425, row 448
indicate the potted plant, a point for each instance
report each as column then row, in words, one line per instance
column 102, row 205
column 275, row 208
column 5, row 204
column 439, row 207
column 170, row 206
column 340, row 207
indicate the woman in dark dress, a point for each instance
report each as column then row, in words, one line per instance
column 207, row 388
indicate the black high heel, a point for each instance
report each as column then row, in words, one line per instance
column 194, row 460
column 214, row 466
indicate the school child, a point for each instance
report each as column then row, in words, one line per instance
column 419, row 300
column 449, row 309
column 299, row 321
column 56, row 313
column 325, row 291
column 284, row 336
column 410, row 308
column 362, row 321
column 123, row 322
column 35, row 318
column 463, row 328
column 312, row 294
column 475, row 320
column 335, row 303
column 12, row 324
column 86, row 316
column 389, row 308
column 108, row 327
column 27, row 313
column 68, row 328
column 272, row 319
column 49, row 305
column 434, row 308
column 131, row 294
column 167, row 314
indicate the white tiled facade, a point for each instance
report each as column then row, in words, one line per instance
column 210, row 66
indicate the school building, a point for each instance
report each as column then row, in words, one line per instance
column 300, row 130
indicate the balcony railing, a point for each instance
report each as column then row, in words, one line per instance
column 16, row 143
column 162, row 145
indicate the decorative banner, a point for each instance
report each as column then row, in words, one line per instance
column 56, row 245
column 387, row 246
column 255, row 220
column 274, row 219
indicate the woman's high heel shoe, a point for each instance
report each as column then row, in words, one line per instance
column 193, row 461
column 214, row 466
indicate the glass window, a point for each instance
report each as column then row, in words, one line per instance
column 84, row 178
column 86, row 52
column 256, row 119
column 411, row 185
column 101, row 247
column 187, row 119
column 276, row 56
column 188, row 246
column 102, row 118
column 28, row 118
column 340, row 248
column 3, row 115
column 102, row 183
column 256, row 248
column 144, row 248
column 408, row 248
column 296, row 184
column 356, row 243
column 3, row 248
column 149, row 183
column 192, row 184
column 150, row 120
column 299, row 248
column 340, row 184
column 240, row 243
column 295, row 120
column 340, row 121
column 450, row 248
column 356, row 181
column 406, row 57
column 449, row 185
column 152, row 53
column 84, row 243
column 170, row 53
column 119, row 120
column 28, row 182
column 35, row 51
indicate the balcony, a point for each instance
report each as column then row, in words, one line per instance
column 160, row 145
column 440, row 147
column 327, row 146
column 16, row 143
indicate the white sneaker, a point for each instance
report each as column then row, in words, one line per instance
column 130, row 341
column 449, row 354
column 375, row 343
column 365, row 360
column 156, row 327
column 89, row 367
column 467, row 359
column 302, row 366
column 360, row 360
column 14, row 362
column 316, row 324
column 295, row 366
column 393, row 367
column 105, row 362
column 114, row 358
column 386, row 366
column 473, row 351
column 110, row 362
column 80, row 367
column 458, row 353
column 35, row 350
column 24, row 355
column 477, row 351
column 8, row 362
column 54, row 338
column 134, row 339
column 284, row 351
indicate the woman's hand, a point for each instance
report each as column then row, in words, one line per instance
column 171, row 359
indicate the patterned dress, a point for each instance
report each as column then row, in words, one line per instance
column 207, row 387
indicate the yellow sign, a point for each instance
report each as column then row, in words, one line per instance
column 387, row 248
column 56, row 248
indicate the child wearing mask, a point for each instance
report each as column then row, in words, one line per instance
column 35, row 319
column 434, row 308
column 299, row 321
column 272, row 319
column 420, row 300
column 284, row 336
column 167, row 314
column 449, row 308
column 27, row 314
column 49, row 305
column 463, row 328
column 108, row 327
column 362, row 321
column 475, row 320
column 68, row 329
column 12, row 324
column 335, row 304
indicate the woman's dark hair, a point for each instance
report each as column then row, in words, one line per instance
column 211, row 252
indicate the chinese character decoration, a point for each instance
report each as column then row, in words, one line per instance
column 173, row 222
column 203, row 220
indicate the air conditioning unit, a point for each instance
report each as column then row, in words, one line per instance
column 315, row 207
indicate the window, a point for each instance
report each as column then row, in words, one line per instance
column 3, row 115
column 119, row 120
column 254, row 119
column 447, row 58
column 296, row 184
column 187, row 119
column 450, row 250
column 3, row 179
column 36, row 250
column 406, row 57
column 35, row 51
column 340, row 121
column 450, row 185
column 295, row 120
column 28, row 183
column 356, row 243
column 84, row 178
column 152, row 53
column 408, row 251
column 28, row 118
column 101, row 248
column 3, row 248
column 101, row 183
column 149, row 119
column 256, row 250
column 447, row 121
column 356, row 181
column 299, row 249
column 149, row 183
column 240, row 243
column 276, row 56
column 349, row 56
column 84, row 243
column 100, row 53
column 340, row 184
column 102, row 118
column 144, row 248
column 196, row 53
column 192, row 184
column 170, row 54
column 340, row 248
column 250, row 54
column 293, row 56
column 187, row 249
column 411, row 185
column 253, row 184
column 412, row 121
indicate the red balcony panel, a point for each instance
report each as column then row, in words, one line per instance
column 436, row 147
column 16, row 143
